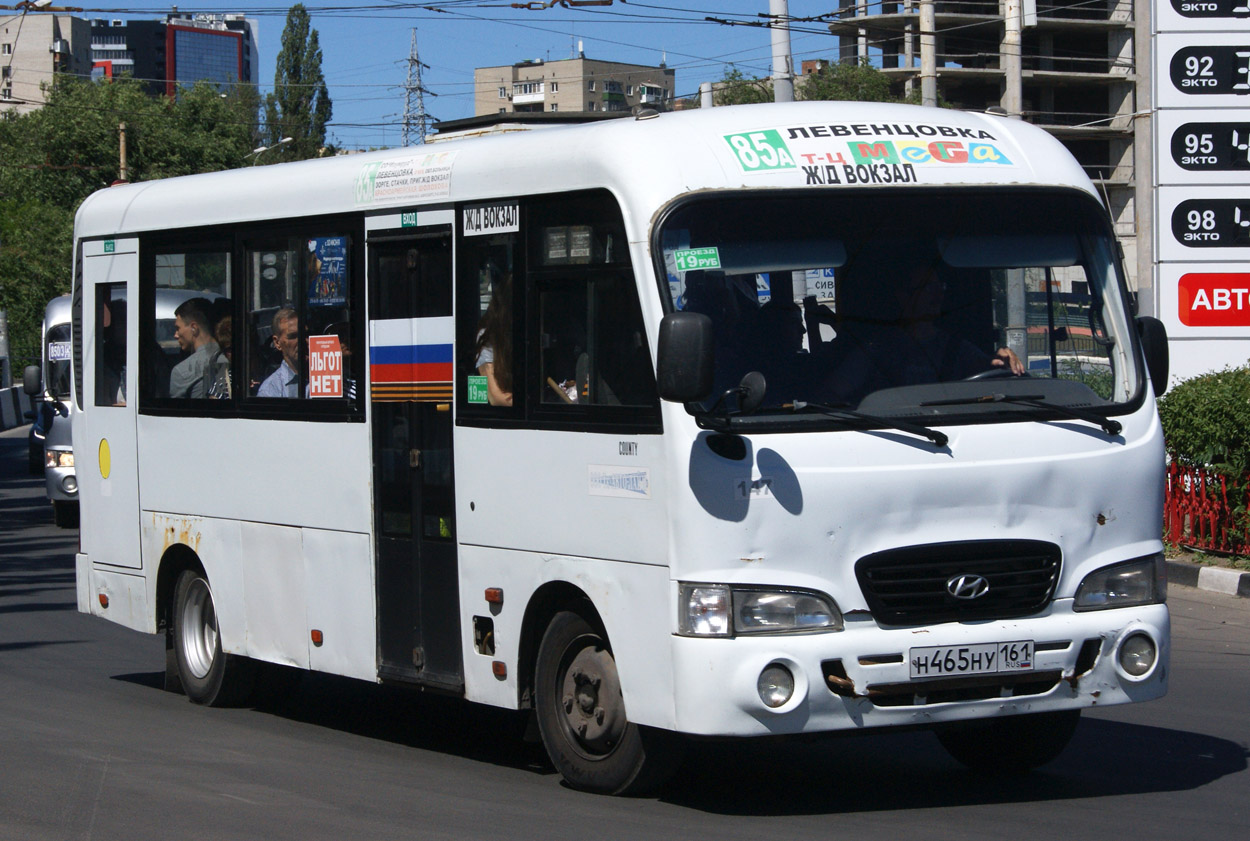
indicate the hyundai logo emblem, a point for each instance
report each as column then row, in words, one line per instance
column 968, row 586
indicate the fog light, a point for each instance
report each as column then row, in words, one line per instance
column 70, row 485
column 776, row 685
column 1137, row 655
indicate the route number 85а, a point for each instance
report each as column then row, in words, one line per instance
column 759, row 151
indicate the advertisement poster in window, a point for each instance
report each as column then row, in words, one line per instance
column 327, row 271
column 325, row 366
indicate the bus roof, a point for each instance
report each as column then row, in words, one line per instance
column 58, row 311
column 650, row 161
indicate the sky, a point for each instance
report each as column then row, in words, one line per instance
column 365, row 46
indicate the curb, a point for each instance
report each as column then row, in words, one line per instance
column 1232, row 582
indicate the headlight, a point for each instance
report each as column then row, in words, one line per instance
column 58, row 458
column 704, row 611
column 720, row 611
column 1137, row 582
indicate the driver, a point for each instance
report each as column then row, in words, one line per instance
column 931, row 353
column 913, row 347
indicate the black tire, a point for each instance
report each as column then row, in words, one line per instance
column 1010, row 745
column 581, row 715
column 208, row 675
column 65, row 514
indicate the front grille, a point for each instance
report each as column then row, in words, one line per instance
column 909, row 586
column 920, row 693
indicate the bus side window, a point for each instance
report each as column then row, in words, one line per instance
column 593, row 345
column 298, row 330
column 489, row 365
column 110, row 351
column 190, row 302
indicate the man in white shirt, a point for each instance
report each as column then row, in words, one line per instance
column 284, row 382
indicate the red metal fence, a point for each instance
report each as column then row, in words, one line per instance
column 1199, row 510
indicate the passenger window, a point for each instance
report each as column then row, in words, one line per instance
column 594, row 349
column 187, row 342
column 489, row 319
column 551, row 291
column 298, row 319
column 110, row 351
column 592, row 344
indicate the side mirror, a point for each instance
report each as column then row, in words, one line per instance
column 32, row 380
column 1154, row 343
column 686, row 358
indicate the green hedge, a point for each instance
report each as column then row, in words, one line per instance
column 1206, row 421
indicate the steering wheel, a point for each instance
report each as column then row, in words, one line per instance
column 993, row 374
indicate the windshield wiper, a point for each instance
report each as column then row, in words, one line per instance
column 1037, row 401
column 933, row 435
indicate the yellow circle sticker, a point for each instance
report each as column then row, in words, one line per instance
column 106, row 458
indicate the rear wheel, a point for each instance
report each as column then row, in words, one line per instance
column 207, row 674
column 1013, row 744
column 581, row 715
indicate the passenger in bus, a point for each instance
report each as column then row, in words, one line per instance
column 192, row 377
column 111, row 383
column 778, row 349
column 223, row 329
column 493, row 349
column 906, row 343
column 284, row 382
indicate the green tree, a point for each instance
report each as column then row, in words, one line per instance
column 846, row 82
column 736, row 89
column 35, row 243
column 53, row 158
column 299, row 106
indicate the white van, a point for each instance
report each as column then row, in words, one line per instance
column 750, row 421
column 50, row 438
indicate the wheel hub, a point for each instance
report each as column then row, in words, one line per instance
column 593, row 707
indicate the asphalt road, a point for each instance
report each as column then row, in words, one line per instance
column 92, row 748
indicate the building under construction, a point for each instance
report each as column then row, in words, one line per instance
column 1076, row 76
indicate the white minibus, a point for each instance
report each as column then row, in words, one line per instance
column 48, row 384
column 748, row 421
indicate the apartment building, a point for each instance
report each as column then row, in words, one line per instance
column 574, row 84
column 34, row 49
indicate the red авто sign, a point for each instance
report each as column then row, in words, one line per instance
column 1214, row 300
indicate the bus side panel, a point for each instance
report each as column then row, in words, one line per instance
column 339, row 574
column 291, row 472
column 565, row 493
column 275, row 593
column 218, row 547
column 633, row 600
column 119, row 597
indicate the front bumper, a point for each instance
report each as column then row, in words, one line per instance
column 860, row 677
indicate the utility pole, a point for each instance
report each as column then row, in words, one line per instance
column 1010, row 52
column 928, row 54
column 416, row 121
column 122, row 173
column 783, row 61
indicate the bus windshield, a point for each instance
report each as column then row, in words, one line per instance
column 908, row 302
column 56, row 376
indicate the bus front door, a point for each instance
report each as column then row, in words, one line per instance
column 410, row 358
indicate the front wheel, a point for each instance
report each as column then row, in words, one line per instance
column 208, row 675
column 1011, row 745
column 581, row 715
